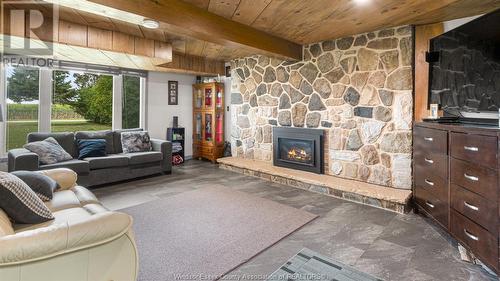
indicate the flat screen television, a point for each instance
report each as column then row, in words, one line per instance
column 464, row 70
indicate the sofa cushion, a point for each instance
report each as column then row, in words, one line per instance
column 85, row 196
column 137, row 158
column 117, row 138
column 109, row 161
column 78, row 166
column 62, row 200
column 49, row 151
column 91, row 148
column 66, row 140
column 42, row 185
column 21, row 203
column 106, row 135
column 65, row 178
column 136, row 142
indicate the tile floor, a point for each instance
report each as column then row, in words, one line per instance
column 388, row 245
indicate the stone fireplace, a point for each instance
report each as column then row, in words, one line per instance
column 298, row 148
column 357, row 90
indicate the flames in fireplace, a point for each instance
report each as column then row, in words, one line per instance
column 299, row 154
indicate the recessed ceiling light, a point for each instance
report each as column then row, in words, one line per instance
column 362, row 2
column 149, row 23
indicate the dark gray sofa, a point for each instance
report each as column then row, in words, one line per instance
column 116, row 166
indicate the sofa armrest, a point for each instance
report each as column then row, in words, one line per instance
column 61, row 238
column 165, row 147
column 22, row 159
column 65, row 178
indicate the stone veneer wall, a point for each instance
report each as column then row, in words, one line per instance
column 358, row 89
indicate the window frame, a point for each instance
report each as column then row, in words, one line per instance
column 46, row 93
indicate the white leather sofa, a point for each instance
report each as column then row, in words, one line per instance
column 85, row 241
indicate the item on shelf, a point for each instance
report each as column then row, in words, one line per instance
column 208, row 97
column 199, row 98
column 219, row 129
column 175, row 122
column 198, row 126
column 219, row 98
column 176, row 147
column 177, row 159
column 208, row 127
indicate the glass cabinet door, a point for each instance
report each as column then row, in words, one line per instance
column 198, row 98
column 218, row 102
column 198, row 127
column 208, row 97
column 219, row 128
column 208, row 127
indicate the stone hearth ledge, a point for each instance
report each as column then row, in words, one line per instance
column 396, row 200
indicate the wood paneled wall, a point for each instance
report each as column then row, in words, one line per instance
column 196, row 64
column 423, row 33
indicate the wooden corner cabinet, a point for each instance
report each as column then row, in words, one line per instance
column 456, row 182
column 208, row 121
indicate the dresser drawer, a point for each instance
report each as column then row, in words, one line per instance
column 478, row 149
column 475, row 178
column 435, row 206
column 430, row 140
column 436, row 185
column 474, row 207
column 478, row 239
column 434, row 163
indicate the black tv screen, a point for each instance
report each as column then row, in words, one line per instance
column 464, row 68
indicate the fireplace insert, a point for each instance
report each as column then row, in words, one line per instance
column 298, row 148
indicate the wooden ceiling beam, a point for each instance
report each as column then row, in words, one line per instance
column 201, row 24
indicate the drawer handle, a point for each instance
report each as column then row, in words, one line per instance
column 430, row 161
column 472, row 207
column 429, row 204
column 473, row 237
column 471, row 148
column 428, row 139
column 469, row 177
column 429, row 182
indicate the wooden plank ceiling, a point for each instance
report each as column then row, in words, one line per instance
column 299, row 21
column 309, row 21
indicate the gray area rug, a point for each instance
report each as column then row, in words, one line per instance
column 309, row 265
column 203, row 234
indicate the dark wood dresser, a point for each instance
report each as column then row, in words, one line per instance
column 456, row 182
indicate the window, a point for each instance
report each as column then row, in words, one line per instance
column 22, row 100
column 70, row 99
column 131, row 102
column 81, row 101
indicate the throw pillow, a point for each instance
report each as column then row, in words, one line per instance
column 91, row 148
column 42, row 185
column 20, row 203
column 106, row 135
column 135, row 142
column 49, row 151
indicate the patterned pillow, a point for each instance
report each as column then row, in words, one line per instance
column 42, row 185
column 49, row 151
column 20, row 203
column 135, row 142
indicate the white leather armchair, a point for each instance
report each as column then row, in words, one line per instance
column 85, row 241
